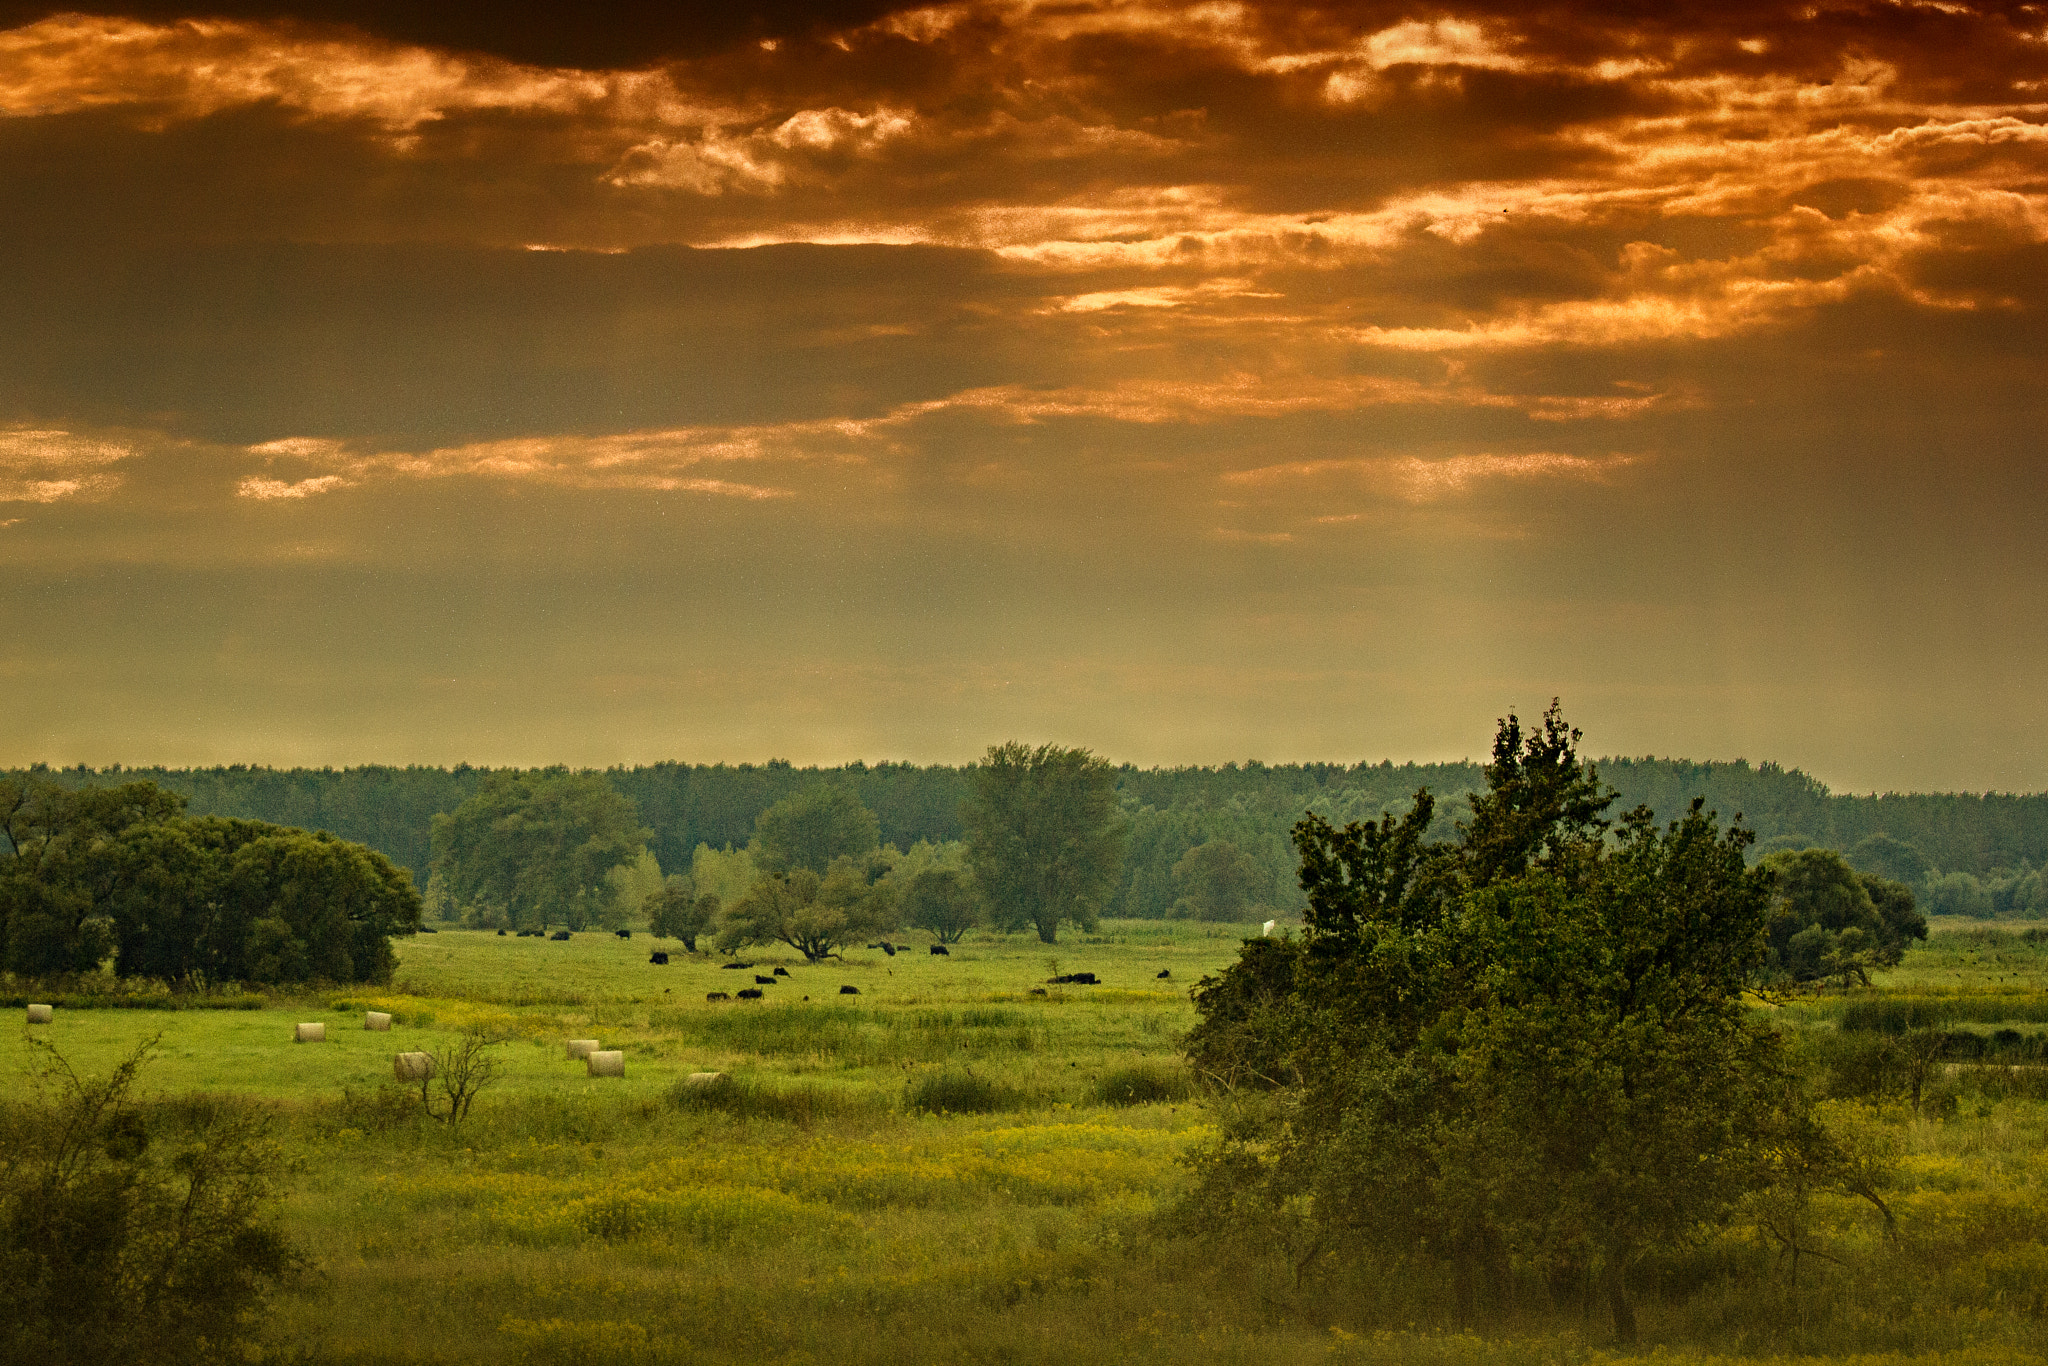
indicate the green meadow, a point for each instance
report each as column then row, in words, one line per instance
column 947, row 1167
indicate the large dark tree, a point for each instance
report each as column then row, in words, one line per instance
column 117, row 871
column 531, row 849
column 1521, row 1053
column 1045, row 841
column 1828, row 920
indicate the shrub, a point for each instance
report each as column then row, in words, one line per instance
column 133, row 1235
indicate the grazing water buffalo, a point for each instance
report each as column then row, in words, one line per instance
column 940, row 950
column 658, row 957
column 761, row 981
column 623, row 934
column 1165, row 973
column 849, row 991
column 728, row 967
column 559, row 935
column 716, row 996
column 751, row 994
column 782, row 972
column 1074, row 979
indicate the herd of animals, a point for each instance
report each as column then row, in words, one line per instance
column 660, row 959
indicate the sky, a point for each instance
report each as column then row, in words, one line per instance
column 1192, row 382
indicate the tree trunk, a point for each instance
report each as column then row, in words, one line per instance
column 1048, row 931
column 1618, row 1302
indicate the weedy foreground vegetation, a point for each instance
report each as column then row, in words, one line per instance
column 946, row 1167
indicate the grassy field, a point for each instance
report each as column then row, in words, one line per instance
column 818, row 1210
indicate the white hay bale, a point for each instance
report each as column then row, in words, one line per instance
column 704, row 1078
column 413, row 1066
column 377, row 1020
column 582, row 1048
column 1268, row 931
column 310, row 1033
column 40, row 1014
column 610, row 1062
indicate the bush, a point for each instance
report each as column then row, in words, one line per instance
column 1142, row 1084
column 133, row 1235
column 959, row 1093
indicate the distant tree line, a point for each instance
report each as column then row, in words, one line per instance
column 1202, row 843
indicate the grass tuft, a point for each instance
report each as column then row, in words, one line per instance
column 960, row 1093
column 1145, row 1083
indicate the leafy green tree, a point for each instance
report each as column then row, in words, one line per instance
column 809, row 829
column 1527, row 1049
column 677, row 911
column 1889, row 858
column 132, row 1234
column 1045, row 839
column 1216, row 881
column 1828, row 920
column 537, row 846
column 56, row 875
column 117, row 871
column 942, row 901
column 1958, row 894
column 816, row 916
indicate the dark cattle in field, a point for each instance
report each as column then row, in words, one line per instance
column 658, row 957
column 1165, row 973
column 716, row 996
column 728, row 967
column 1074, row 979
column 500, row 931
column 559, row 935
column 1038, row 991
column 782, row 972
column 761, row 981
column 751, row 994
column 623, row 934
column 849, row 991
column 940, row 950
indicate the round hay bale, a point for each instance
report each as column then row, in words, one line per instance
column 582, row 1048
column 413, row 1066
column 377, row 1020
column 310, row 1033
column 40, row 1014
column 704, row 1078
column 610, row 1062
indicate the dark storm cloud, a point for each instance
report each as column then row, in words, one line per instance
column 623, row 33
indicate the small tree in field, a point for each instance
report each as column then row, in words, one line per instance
column 816, row 916
column 460, row 1072
column 678, row 912
column 942, row 901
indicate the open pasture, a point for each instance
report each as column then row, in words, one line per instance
column 947, row 1168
